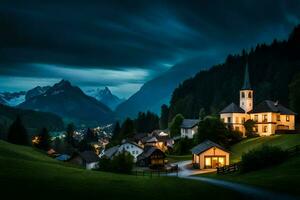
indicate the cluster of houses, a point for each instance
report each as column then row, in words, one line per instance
column 147, row 149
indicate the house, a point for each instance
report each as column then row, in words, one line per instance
column 209, row 155
column 189, row 128
column 87, row 159
column 269, row 116
column 152, row 157
column 131, row 147
column 156, row 139
column 128, row 146
column 111, row 152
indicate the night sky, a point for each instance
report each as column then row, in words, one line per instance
column 122, row 44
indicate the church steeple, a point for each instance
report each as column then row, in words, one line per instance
column 247, row 85
column 246, row 93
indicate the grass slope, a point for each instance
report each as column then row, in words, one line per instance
column 284, row 141
column 26, row 172
column 281, row 178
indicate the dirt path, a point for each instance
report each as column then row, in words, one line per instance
column 250, row 192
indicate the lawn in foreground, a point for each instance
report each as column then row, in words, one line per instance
column 283, row 141
column 28, row 173
column 282, row 178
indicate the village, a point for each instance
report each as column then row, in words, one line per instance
column 154, row 151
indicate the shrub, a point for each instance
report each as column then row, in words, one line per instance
column 120, row 163
column 262, row 157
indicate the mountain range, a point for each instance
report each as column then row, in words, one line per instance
column 105, row 96
column 71, row 103
column 158, row 91
column 12, row 98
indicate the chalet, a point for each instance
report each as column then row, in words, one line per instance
column 269, row 116
column 189, row 128
column 87, row 159
column 209, row 155
column 128, row 146
column 131, row 147
column 151, row 157
column 156, row 139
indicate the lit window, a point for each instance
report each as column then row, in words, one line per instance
column 256, row 118
column 229, row 119
column 265, row 118
column 249, row 95
column 243, row 94
column 287, row 118
column 265, row 129
column 255, row 128
column 278, row 117
column 207, row 161
column 221, row 161
column 236, row 120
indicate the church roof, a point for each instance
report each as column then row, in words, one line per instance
column 232, row 108
column 271, row 106
column 247, row 85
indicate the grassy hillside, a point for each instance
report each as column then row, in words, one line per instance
column 27, row 172
column 284, row 141
column 281, row 178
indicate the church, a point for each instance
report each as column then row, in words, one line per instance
column 269, row 116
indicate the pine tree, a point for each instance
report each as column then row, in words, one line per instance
column 164, row 117
column 70, row 134
column 17, row 133
column 44, row 138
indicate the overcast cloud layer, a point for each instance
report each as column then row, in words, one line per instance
column 122, row 44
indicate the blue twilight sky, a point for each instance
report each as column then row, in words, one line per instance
column 122, row 44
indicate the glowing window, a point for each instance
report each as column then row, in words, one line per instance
column 207, row 161
column 287, row 118
column 221, row 161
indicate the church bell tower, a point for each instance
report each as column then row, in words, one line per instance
column 246, row 93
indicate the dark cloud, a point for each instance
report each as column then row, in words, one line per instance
column 127, row 35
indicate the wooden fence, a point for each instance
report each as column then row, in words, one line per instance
column 156, row 173
column 228, row 168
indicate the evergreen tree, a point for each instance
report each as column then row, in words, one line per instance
column 116, row 131
column 175, row 125
column 90, row 136
column 17, row 133
column 44, row 140
column 70, row 134
column 164, row 117
column 202, row 114
column 127, row 129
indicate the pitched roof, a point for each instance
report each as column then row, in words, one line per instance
column 111, row 151
column 131, row 142
column 271, row 106
column 89, row 156
column 247, row 85
column 189, row 123
column 207, row 144
column 148, row 152
column 232, row 108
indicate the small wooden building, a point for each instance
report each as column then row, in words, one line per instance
column 87, row 159
column 210, row 155
column 151, row 157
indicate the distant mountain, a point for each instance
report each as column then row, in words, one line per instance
column 12, row 98
column 106, row 97
column 72, row 104
column 36, row 91
column 33, row 121
column 158, row 91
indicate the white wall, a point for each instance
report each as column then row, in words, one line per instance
column 189, row 133
column 132, row 149
column 93, row 165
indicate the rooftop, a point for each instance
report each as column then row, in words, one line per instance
column 207, row 144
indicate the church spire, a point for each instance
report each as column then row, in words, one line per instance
column 247, row 85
